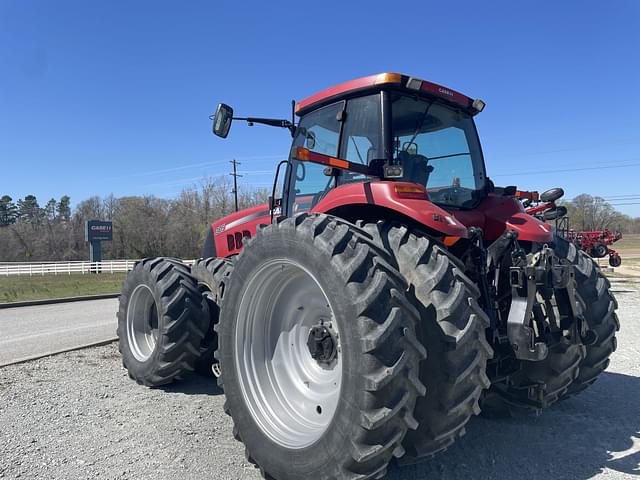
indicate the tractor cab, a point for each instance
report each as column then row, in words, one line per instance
column 387, row 127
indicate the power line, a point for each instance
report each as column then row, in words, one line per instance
column 629, row 141
column 621, row 197
column 564, row 170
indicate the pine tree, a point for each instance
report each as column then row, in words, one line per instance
column 8, row 210
column 64, row 208
column 29, row 210
column 50, row 209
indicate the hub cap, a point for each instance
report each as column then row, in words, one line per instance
column 287, row 354
column 142, row 323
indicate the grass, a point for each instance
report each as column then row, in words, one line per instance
column 628, row 245
column 21, row 288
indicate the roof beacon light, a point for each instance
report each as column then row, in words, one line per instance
column 478, row 104
column 388, row 78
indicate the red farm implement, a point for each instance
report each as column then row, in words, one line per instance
column 596, row 243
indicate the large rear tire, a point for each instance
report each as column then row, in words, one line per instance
column 318, row 352
column 452, row 329
column 160, row 321
column 536, row 385
column 599, row 310
column 212, row 275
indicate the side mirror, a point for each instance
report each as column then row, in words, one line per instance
column 222, row 120
column 552, row 195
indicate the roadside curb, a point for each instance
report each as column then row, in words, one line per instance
column 56, row 352
column 49, row 301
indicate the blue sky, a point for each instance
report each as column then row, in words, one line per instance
column 114, row 97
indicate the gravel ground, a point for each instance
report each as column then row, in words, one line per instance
column 77, row 415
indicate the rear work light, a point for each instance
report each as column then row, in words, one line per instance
column 415, row 192
column 393, row 171
column 478, row 104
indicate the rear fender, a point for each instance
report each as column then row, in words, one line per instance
column 383, row 194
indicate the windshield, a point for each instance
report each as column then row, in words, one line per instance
column 438, row 147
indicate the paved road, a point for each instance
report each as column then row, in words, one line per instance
column 42, row 329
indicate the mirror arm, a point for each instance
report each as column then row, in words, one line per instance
column 273, row 122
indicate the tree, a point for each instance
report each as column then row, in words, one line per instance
column 594, row 213
column 64, row 208
column 90, row 209
column 8, row 211
column 50, row 210
column 29, row 210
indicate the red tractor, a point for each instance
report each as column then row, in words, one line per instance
column 389, row 293
column 595, row 242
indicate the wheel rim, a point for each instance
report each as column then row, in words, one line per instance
column 291, row 395
column 142, row 323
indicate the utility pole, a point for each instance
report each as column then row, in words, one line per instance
column 235, row 176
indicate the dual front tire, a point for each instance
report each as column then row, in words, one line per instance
column 160, row 321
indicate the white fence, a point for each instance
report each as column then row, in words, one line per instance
column 68, row 268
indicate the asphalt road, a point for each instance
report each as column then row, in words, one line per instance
column 30, row 331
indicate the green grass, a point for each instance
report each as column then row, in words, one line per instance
column 628, row 245
column 18, row 288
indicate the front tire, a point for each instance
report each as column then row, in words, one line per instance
column 213, row 275
column 160, row 321
column 318, row 352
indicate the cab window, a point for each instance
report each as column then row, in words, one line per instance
column 319, row 131
column 438, row 147
column 361, row 142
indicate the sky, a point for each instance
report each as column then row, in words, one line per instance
column 115, row 97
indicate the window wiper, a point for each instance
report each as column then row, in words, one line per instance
column 357, row 150
column 447, row 156
column 419, row 126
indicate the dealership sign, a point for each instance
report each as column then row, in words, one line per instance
column 97, row 230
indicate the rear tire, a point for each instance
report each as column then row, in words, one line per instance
column 342, row 418
column 212, row 275
column 452, row 329
column 160, row 321
column 538, row 385
column 599, row 311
